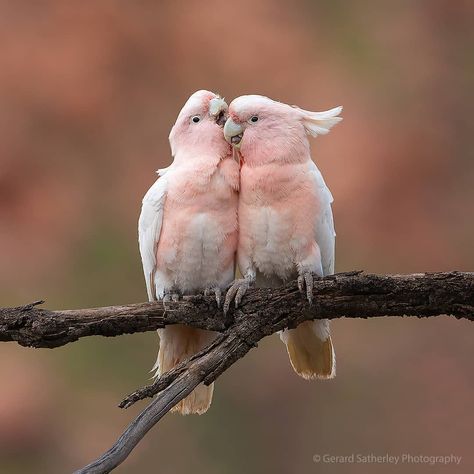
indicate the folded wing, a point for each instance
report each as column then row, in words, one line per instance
column 149, row 229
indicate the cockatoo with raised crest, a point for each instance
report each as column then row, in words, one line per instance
column 286, row 227
column 188, row 228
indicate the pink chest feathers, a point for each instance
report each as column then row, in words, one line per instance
column 200, row 221
column 278, row 209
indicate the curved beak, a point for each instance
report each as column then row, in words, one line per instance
column 233, row 132
column 218, row 110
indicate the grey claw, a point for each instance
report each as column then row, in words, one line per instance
column 218, row 293
column 228, row 298
column 301, row 283
column 240, row 294
column 308, row 278
column 237, row 291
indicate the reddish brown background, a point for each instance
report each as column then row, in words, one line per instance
column 88, row 93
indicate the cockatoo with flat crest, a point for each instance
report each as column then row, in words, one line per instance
column 188, row 228
column 286, row 227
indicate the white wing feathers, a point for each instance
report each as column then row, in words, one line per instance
column 149, row 229
column 324, row 224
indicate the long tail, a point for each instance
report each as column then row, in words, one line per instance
column 310, row 349
column 178, row 343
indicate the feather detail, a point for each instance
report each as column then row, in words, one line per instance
column 178, row 343
column 149, row 229
column 286, row 227
column 319, row 123
column 188, row 228
column 311, row 356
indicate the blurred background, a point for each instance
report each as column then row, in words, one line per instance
column 88, row 95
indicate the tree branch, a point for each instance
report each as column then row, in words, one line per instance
column 343, row 295
column 263, row 312
column 31, row 326
column 348, row 294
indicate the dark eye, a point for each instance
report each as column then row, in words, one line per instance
column 254, row 119
column 196, row 119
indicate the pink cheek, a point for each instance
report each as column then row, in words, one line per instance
column 251, row 137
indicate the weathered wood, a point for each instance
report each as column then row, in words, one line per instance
column 36, row 327
column 169, row 397
column 351, row 294
column 265, row 312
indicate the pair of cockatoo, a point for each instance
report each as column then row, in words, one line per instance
column 269, row 210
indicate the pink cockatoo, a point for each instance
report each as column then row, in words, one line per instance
column 188, row 228
column 286, row 227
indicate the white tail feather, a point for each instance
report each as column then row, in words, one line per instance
column 310, row 349
column 178, row 343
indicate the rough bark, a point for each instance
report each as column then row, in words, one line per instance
column 31, row 326
column 263, row 312
column 351, row 294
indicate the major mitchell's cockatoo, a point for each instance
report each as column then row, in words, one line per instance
column 286, row 227
column 188, row 228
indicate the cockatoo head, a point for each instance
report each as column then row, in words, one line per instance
column 198, row 127
column 264, row 130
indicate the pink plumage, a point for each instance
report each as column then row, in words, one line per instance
column 188, row 228
column 286, row 226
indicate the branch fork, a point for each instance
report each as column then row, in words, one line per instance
column 262, row 313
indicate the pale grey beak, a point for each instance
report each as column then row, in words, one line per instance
column 233, row 132
column 218, row 110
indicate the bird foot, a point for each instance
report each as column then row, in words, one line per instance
column 217, row 293
column 236, row 292
column 171, row 295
